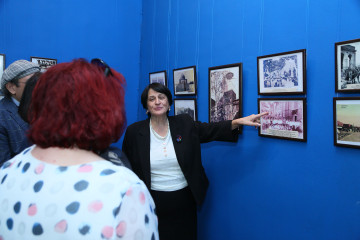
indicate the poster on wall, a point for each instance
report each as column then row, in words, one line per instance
column 282, row 73
column 225, row 92
column 186, row 106
column 286, row 118
column 347, row 66
column 158, row 77
column 2, row 68
column 44, row 63
column 184, row 81
column 347, row 122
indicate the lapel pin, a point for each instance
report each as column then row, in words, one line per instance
column 178, row 138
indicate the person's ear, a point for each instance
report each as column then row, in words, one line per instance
column 11, row 87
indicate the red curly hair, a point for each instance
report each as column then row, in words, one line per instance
column 75, row 105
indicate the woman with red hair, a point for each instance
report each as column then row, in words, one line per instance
column 63, row 189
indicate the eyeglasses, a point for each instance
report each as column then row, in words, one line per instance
column 103, row 65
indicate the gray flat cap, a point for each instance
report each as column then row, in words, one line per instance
column 17, row 70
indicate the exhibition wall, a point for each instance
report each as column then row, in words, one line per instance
column 264, row 188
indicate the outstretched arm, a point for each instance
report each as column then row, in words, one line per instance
column 252, row 120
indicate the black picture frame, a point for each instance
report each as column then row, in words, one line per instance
column 282, row 73
column 159, row 77
column 184, row 80
column 44, row 63
column 225, row 92
column 347, row 66
column 186, row 106
column 286, row 119
column 346, row 112
column 2, row 68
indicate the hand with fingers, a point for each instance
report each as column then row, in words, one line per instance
column 251, row 120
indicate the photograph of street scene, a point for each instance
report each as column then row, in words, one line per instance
column 285, row 120
column 348, row 122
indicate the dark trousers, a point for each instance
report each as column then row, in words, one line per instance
column 177, row 214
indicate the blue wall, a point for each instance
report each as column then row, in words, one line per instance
column 264, row 188
column 65, row 30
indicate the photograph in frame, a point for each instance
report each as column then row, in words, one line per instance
column 184, row 81
column 159, row 77
column 347, row 66
column 282, row 73
column 44, row 63
column 225, row 92
column 186, row 106
column 286, row 118
column 347, row 122
column 2, row 68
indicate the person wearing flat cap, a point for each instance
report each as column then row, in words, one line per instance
column 12, row 127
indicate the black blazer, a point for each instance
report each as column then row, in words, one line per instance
column 186, row 135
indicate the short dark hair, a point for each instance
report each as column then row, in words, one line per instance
column 75, row 105
column 157, row 87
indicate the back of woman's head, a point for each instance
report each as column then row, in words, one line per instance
column 75, row 105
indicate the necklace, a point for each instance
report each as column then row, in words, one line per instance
column 157, row 135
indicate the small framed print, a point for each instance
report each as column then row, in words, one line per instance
column 225, row 92
column 282, row 73
column 347, row 122
column 159, row 77
column 2, row 68
column 286, row 118
column 44, row 63
column 185, row 81
column 347, row 66
column 186, row 106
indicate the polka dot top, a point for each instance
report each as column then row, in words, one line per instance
column 97, row 200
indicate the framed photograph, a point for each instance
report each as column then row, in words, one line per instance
column 347, row 122
column 225, row 92
column 347, row 66
column 186, row 106
column 159, row 77
column 286, row 119
column 2, row 68
column 282, row 73
column 185, row 81
column 44, row 63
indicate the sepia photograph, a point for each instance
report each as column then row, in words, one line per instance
column 158, row 77
column 225, row 92
column 186, row 106
column 44, row 63
column 282, row 73
column 2, row 68
column 185, row 81
column 286, row 119
column 347, row 66
column 347, row 122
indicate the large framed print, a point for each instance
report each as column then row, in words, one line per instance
column 44, row 63
column 2, row 68
column 225, row 92
column 286, row 118
column 347, row 66
column 347, row 121
column 158, row 77
column 282, row 73
column 186, row 106
column 185, row 81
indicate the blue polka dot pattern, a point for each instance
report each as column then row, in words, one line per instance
column 38, row 186
column 3, row 179
column 116, row 210
column 26, row 167
column 6, row 165
column 37, row 229
column 19, row 164
column 146, row 219
column 107, row 172
column 73, row 207
column 81, row 185
column 17, row 207
column 26, row 151
column 62, row 169
column 10, row 223
column 84, row 230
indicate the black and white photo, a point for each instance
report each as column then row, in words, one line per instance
column 44, row 63
column 347, row 67
column 282, row 73
column 2, row 68
column 184, row 81
column 158, row 77
column 225, row 92
column 186, row 106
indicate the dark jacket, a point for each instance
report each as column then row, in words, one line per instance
column 187, row 135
